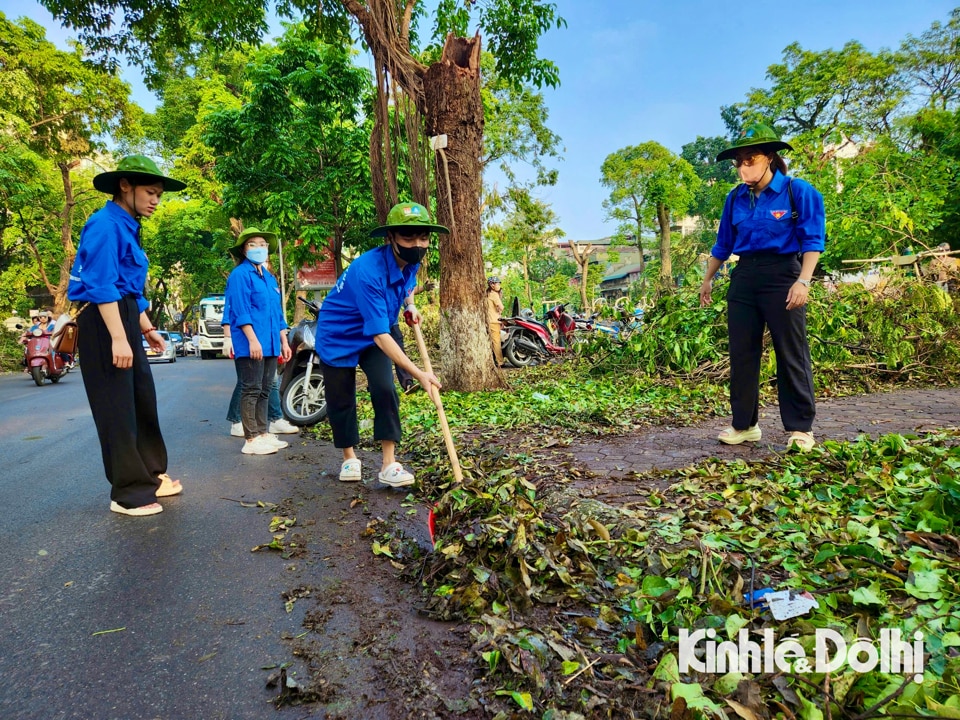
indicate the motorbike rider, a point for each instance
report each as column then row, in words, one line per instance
column 494, row 313
column 44, row 324
column 355, row 321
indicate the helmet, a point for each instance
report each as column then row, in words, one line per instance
column 758, row 135
column 492, row 279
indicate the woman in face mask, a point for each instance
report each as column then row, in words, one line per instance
column 253, row 309
column 776, row 225
column 355, row 322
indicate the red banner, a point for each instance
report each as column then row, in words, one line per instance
column 319, row 276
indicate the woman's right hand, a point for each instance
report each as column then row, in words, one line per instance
column 122, row 353
column 706, row 290
column 256, row 350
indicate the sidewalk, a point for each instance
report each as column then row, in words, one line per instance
column 664, row 447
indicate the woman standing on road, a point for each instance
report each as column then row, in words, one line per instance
column 258, row 330
column 776, row 224
column 355, row 322
column 109, row 275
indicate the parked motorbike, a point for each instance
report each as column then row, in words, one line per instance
column 562, row 324
column 41, row 361
column 302, row 397
column 527, row 341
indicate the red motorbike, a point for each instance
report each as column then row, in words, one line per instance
column 41, row 360
column 527, row 340
column 562, row 323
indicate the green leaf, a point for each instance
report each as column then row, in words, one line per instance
column 668, row 669
column 570, row 667
column 872, row 594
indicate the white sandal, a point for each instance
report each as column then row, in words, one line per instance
column 350, row 471
column 395, row 476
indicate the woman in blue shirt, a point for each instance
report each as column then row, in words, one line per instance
column 354, row 323
column 776, row 225
column 108, row 275
column 254, row 311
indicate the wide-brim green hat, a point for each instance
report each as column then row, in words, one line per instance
column 140, row 170
column 271, row 238
column 759, row 136
column 408, row 215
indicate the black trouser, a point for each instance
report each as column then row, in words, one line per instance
column 403, row 377
column 340, row 387
column 758, row 297
column 124, row 407
column 256, row 381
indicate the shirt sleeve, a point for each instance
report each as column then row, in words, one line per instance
column 100, row 272
column 726, row 233
column 237, row 296
column 811, row 221
column 371, row 299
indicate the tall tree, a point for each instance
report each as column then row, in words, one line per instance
column 294, row 156
column 650, row 174
column 58, row 105
column 446, row 95
column 931, row 63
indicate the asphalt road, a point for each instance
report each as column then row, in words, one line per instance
column 103, row 616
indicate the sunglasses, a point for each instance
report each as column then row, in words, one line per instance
column 410, row 233
column 747, row 160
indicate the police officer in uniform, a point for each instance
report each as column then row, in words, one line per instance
column 776, row 224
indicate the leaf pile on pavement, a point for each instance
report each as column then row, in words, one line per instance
column 580, row 603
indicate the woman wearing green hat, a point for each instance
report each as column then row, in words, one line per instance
column 258, row 330
column 109, row 275
column 776, row 225
column 355, row 322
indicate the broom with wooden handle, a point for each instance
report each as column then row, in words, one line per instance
column 434, row 393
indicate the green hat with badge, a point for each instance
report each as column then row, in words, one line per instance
column 271, row 238
column 140, row 170
column 408, row 215
column 759, row 136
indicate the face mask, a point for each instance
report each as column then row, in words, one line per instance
column 257, row 255
column 411, row 255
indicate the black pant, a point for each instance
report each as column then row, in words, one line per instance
column 403, row 377
column 758, row 297
column 124, row 407
column 340, row 387
column 256, row 381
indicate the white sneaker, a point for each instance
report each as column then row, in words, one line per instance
column 236, row 429
column 283, row 427
column 258, row 446
column 275, row 441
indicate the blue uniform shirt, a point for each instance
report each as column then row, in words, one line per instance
column 253, row 300
column 365, row 302
column 764, row 225
column 110, row 263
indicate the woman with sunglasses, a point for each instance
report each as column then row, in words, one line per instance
column 776, row 225
column 354, row 323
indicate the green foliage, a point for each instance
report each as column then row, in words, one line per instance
column 295, row 157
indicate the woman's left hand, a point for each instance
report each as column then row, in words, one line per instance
column 797, row 297
column 155, row 340
column 285, row 351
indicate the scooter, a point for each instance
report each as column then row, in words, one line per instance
column 528, row 341
column 562, row 323
column 302, row 397
column 41, row 360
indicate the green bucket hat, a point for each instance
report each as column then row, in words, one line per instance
column 757, row 135
column 136, row 168
column 408, row 215
column 271, row 238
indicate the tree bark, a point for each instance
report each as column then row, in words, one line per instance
column 638, row 207
column 66, row 235
column 454, row 108
column 666, row 266
column 582, row 258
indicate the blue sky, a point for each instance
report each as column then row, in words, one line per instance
column 633, row 71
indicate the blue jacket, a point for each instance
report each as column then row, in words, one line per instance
column 365, row 302
column 253, row 300
column 110, row 262
column 764, row 224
